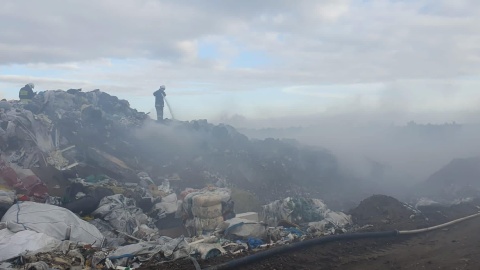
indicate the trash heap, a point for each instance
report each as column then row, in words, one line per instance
column 80, row 187
column 120, row 234
column 307, row 211
column 62, row 130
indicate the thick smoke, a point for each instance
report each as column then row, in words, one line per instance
column 390, row 153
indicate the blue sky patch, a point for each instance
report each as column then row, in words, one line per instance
column 207, row 50
column 250, row 59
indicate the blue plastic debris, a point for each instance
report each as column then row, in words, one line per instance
column 295, row 231
column 254, row 242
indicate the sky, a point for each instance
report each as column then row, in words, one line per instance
column 271, row 62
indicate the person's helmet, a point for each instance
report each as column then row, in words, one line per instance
column 31, row 85
column 162, row 87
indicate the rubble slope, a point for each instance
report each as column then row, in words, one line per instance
column 458, row 179
column 63, row 134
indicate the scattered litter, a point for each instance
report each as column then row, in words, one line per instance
column 70, row 154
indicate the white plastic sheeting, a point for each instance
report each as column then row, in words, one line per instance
column 338, row 219
column 207, row 250
column 170, row 248
column 295, row 210
column 333, row 220
column 7, row 197
column 426, row 202
column 304, row 210
column 13, row 244
column 244, row 228
column 121, row 213
column 169, row 204
column 54, row 221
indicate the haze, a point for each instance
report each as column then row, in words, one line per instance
column 347, row 74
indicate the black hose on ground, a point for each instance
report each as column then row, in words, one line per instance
column 299, row 245
column 331, row 238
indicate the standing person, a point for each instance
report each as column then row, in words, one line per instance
column 26, row 93
column 159, row 102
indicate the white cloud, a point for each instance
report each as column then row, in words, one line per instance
column 331, row 11
column 133, row 46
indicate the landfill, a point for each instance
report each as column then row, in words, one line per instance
column 86, row 182
column 76, row 192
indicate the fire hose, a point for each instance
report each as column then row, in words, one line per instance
column 327, row 239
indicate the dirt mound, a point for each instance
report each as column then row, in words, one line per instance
column 387, row 213
column 384, row 213
column 458, row 179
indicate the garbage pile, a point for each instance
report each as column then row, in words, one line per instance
column 299, row 210
column 96, row 133
column 119, row 233
column 63, row 130
column 86, row 181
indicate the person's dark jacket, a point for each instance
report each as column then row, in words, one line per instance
column 26, row 92
column 159, row 95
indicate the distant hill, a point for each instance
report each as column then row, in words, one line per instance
column 458, row 179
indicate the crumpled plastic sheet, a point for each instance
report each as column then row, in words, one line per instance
column 112, row 239
column 207, row 250
column 42, row 128
column 165, row 187
column 13, row 244
column 338, row 219
column 244, row 229
column 295, row 210
column 35, row 133
column 146, row 233
column 254, row 242
column 52, row 220
column 332, row 221
column 145, row 179
column 34, row 128
column 168, row 205
column 281, row 235
column 121, row 213
column 203, row 225
column 57, row 159
column 169, row 248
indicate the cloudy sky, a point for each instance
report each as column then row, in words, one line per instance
column 268, row 59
